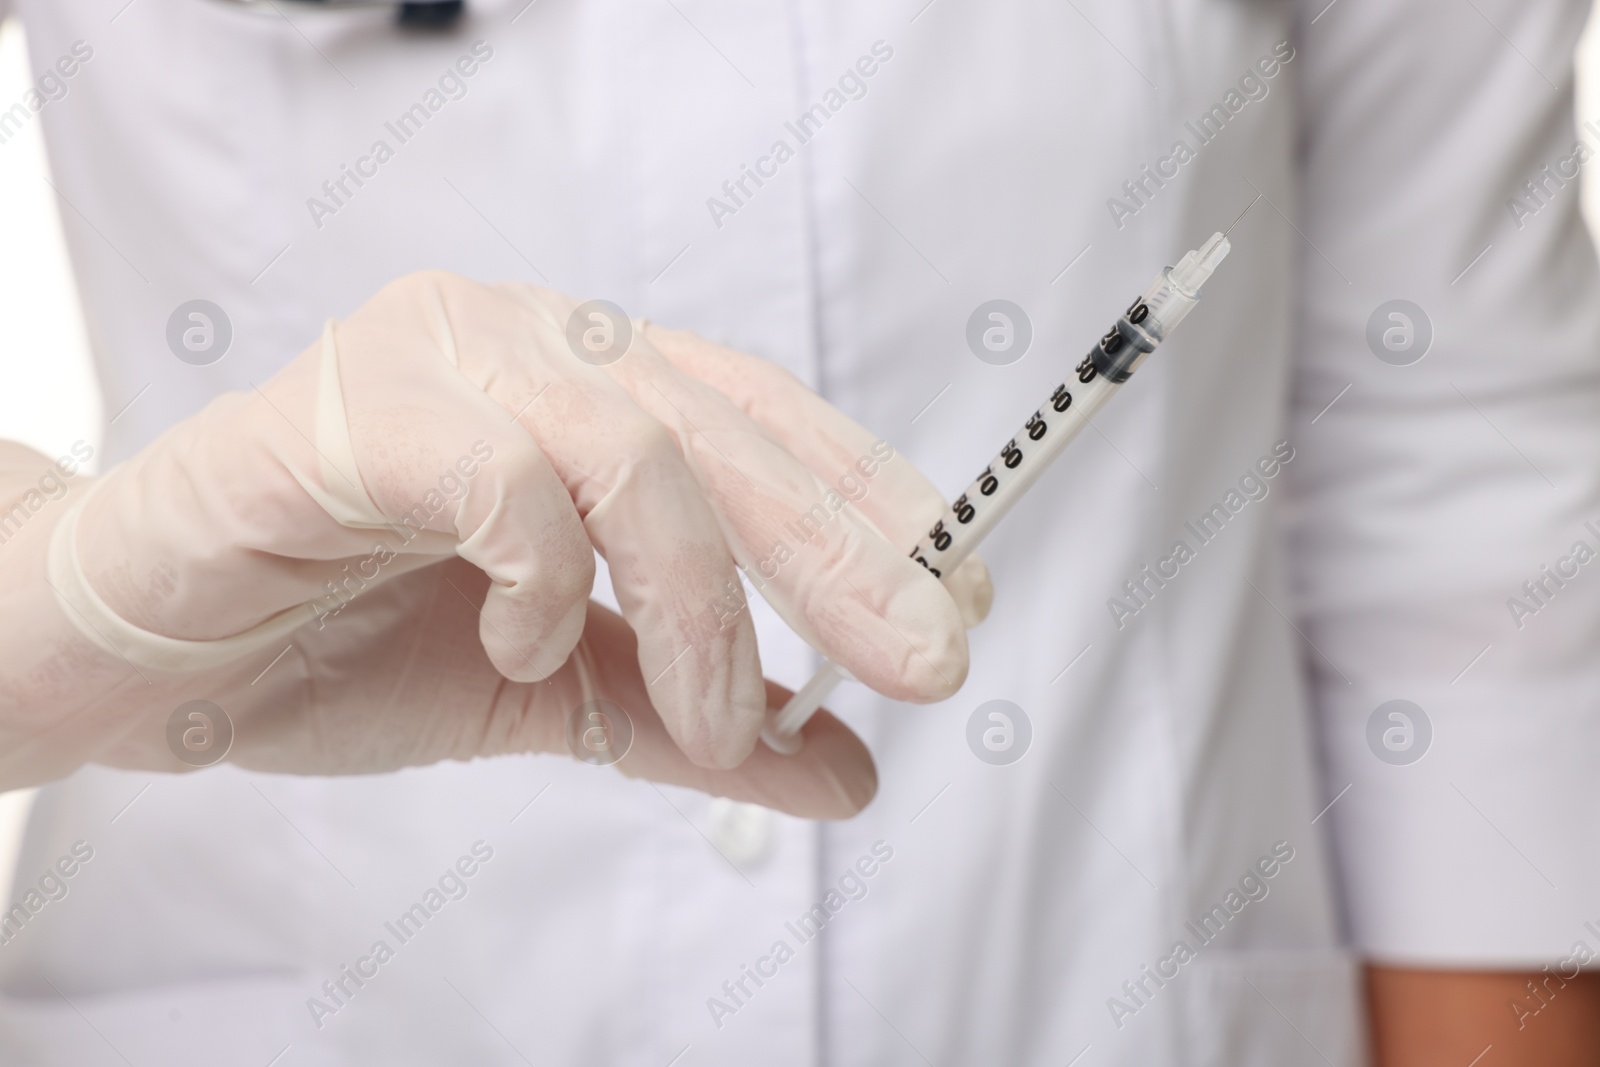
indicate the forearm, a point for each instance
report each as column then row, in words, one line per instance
column 1423, row 1018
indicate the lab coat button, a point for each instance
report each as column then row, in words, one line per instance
column 741, row 832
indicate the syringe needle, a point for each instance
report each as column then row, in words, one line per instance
column 1243, row 213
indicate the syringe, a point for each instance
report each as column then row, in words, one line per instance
column 1022, row 461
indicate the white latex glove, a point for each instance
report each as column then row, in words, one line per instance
column 321, row 514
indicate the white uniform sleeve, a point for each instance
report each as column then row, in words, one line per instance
column 1447, row 523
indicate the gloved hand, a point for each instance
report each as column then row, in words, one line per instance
column 308, row 529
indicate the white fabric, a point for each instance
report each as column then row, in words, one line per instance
column 1431, row 493
column 1169, row 756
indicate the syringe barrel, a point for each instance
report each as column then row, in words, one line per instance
column 1020, row 463
column 1026, row 456
column 975, row 513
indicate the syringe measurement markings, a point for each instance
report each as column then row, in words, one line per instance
column 1013, row 464
column 988, row 484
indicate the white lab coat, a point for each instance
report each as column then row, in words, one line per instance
column 1173, row 749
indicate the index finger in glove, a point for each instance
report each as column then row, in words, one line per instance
column 897, row 498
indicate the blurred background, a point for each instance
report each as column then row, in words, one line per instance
column 48, row 396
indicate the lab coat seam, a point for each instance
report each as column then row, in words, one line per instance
column 807, row 207
column 1169, row 92
column 807, row 203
